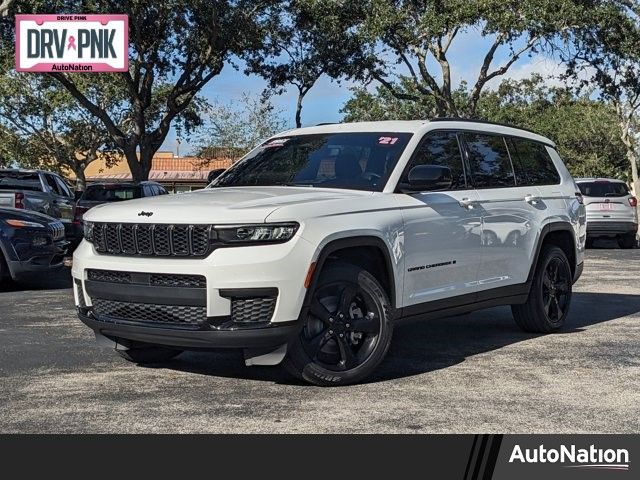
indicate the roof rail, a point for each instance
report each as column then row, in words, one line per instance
column 477, row 120
column 326, row 123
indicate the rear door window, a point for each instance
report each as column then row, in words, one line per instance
column 532, row 163
column 63, row 187
column 53, row 186
column 603, row 189
column 489, row 161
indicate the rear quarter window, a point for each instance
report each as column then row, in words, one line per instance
column 532, row 163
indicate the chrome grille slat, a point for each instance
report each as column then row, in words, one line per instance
column 161, row 240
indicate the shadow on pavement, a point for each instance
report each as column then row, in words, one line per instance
column 422, row 347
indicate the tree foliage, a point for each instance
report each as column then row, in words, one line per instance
column 44, row 127
column 301, row 45
column 405, row 39
column 584, row 129
column 175, row 47
column 239, row 126
column 606, row 58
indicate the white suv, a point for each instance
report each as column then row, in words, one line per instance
column 611, row 210
column 317, row 242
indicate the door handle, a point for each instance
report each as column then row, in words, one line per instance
column 532, row 199
column 467, row 203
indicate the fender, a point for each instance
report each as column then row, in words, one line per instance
column 548, row 228
column 349, row 242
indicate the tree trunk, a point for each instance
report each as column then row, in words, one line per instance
column 137, row 172
column 633, row 161
column 299, row 110
column 81, row 179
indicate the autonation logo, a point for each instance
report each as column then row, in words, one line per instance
column 573, row 457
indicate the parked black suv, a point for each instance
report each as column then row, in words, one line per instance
column 99, row 193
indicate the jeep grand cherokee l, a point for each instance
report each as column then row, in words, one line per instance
column 314, row 245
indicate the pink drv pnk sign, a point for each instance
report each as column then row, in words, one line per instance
column 72, row 43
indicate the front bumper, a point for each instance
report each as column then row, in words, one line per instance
column 272, row 335
column 596, row 227
column 37, row 260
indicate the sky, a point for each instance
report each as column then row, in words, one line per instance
column 325, row 100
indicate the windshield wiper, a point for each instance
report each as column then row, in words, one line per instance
column 294, row 184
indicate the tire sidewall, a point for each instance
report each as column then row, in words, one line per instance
column 549, row 255
column 318, row 375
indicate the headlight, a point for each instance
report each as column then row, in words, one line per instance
column 274, row 233
column 24, row 224
column 88, row 231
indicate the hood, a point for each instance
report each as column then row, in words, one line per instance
column 215, row 205
column 26, row 215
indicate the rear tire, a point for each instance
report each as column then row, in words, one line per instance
column 148, row 355
column 627, row 240
column 347, row 330
column 547, row 306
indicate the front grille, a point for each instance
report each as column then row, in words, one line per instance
column 107, row 310
column 109, row 276
column 152, row 240
column 152, row 279
column 254, row 309
column 57, row 230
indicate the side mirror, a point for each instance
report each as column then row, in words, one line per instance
column 428, row 178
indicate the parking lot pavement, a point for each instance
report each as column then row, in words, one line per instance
column 474, row 373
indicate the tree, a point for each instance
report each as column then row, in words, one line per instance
column 175, row 47
column 45, row 128
column 239, row 126
column 606, row 58
column 300, row 46
column 584, row 129
column 405, row 39
column 381, row 104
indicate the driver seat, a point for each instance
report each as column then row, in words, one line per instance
column 347, row 167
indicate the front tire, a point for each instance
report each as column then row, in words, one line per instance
column 547, row 306
column 148, row 354
column 346, row 332
column 4, row 270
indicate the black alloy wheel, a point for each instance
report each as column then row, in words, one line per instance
column 343, row 326
column 556, row 292
column 346, row 331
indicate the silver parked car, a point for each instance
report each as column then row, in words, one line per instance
column 611, row 210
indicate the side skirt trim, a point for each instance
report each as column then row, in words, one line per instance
column 509, row 295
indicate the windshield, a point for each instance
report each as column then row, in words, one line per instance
column 20, row 181
column 603, row 189
column 111, row 193
column 361, row 161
